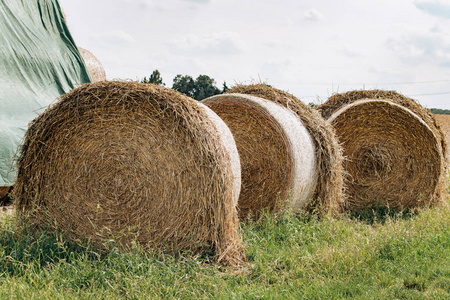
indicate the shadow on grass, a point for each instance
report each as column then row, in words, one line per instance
column 380, row 214
column 23, row 248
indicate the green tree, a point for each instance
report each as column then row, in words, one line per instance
column 205, row 87
column 200, row 88
column 155, row 78
column 184, row 84
column 440, row 111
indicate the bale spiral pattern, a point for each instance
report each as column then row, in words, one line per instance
column 276, row 151
column 328, row 196
column 395, row 151
column 130, row 162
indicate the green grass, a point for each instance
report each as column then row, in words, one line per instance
column 399, row 257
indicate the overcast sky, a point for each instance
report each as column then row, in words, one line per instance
column 310, row 48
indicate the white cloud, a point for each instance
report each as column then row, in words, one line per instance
column 276, row 43
column 417, row 48
column 350, row 51
column 436, row 8
column 114, row 37
column 313, row 15
column 437, row 29
column 199, row 1
column 320, row 38
column 225, row 43
column 276, row 69
column 164, row 6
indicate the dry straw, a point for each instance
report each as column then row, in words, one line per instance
column 133, row 163
column 229, row 143
column 267, row 155
column 4, row 191
column 394, row 148
column 93, row 65
column 274, row 166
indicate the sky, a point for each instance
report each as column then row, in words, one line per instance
column 309, row 48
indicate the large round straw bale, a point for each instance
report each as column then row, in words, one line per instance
column 93, row 65
column 328, row 194
column 394, row 148
column 276, row 151
column 131, row 162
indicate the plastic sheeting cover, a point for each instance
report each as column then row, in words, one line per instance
column 39, row 61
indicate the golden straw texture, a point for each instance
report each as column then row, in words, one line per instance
column 4, row 190
column 130, row 162
column 264, row 152
column 93, row 65
column 394, row 149
column 328, row 196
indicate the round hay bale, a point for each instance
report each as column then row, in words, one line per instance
column 328, row 195
column 276, row 151
column 395, row 151
column 133, row 163
column 93, row 65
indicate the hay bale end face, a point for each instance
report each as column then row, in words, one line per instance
column 276, row 151
column 131, row 162
column 395, row 154
column 93, row 65
column 328, row 197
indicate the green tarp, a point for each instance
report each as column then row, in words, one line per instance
column 39, row 61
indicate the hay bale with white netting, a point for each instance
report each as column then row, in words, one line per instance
column 328, row 193
column 131, row 162
column 278, row 154
column 395, row 151
column 93, row 65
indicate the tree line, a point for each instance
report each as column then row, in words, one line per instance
column 200, row 88
column 440, row 111
column 204, row 86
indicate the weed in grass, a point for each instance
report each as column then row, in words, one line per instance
column 416, row 284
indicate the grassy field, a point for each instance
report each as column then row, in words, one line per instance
column 370, row 256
